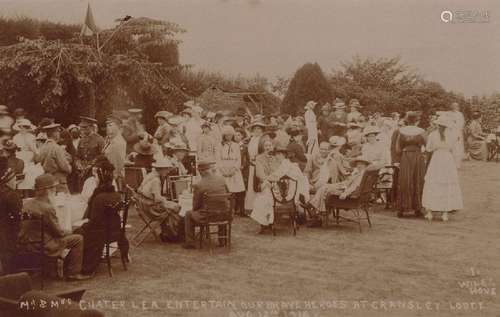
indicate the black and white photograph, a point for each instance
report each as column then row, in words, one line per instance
column 249, row 158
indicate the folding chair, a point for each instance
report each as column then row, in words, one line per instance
column 152, row 220
column 284, row 191
column 221, row 215
column 357, row 205
column 121, row 208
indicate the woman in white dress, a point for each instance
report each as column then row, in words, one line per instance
column 263, row 207
column 441, row 187
column 229, row 164
column 257, row 130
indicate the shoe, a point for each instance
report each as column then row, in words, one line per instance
column 188, row 246
column 78, row 277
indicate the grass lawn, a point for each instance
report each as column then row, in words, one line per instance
column 398, row 267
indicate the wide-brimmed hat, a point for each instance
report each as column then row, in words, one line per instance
column 163, row 114
column 205, row 165
column 337, row 141
column 134, row 110
column 45, row 181
column 257, row 123
column 51, row 126
column 310, row 104
column 144, row 148
column 73, row 126
column 371, row 129
column 175, row 120
column 4, row 109
column 87, row 121
column 25, row 124
column 162, row 163
column 360, row 159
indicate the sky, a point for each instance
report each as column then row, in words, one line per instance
column 275, row 37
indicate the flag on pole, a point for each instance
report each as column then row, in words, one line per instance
column 89, row 23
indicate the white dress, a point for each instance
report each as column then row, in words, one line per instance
column 312, row 132
column 263, row 206
column 229, row 163
column 442, row 188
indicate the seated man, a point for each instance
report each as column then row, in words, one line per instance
column 210, row 184
column 314, row 164
column 151, row 187
column 55, row 238
column 348, row 188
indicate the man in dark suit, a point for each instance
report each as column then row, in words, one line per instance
column 214, row 209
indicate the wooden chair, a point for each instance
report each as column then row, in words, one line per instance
column 177, row 184
column 218, row 219
column 494, row 148
column 357, row 205
column 121, row 208
column 134, row 176
column 152, row 220
column 36, row 262
column 385, row 184
column 284, row 192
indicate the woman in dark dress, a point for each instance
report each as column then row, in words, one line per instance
column 296, row 149
column 94, row 231
column 409, row 144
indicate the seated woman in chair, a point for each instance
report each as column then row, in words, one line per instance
column 263, row 206
column 348, row 188
column 94, row 231
column 151, row 187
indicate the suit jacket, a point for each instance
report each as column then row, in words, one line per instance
column 213, row 208
column 54, row 160
column 115, row 151
column 30, row 229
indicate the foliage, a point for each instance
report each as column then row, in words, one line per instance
column 65, row 80
column 385, row 85
column 308, row 83
column 12, row 30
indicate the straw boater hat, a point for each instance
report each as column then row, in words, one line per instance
column 51, row 126
column 337, row 141
column 24, row 124
column 354, row 125
column 45, row 181
column 163, row 114
column 310, row 105
column 371, row 129
column 360, row 159
column 162, row 163
column 134, row 110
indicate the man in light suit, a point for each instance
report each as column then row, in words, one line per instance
column 115, row 148
column 214, row 210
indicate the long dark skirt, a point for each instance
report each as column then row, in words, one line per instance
column 93, row 248
column 411, row 181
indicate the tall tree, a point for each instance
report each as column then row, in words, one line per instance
column 308, row 83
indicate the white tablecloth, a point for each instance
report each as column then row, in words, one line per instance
column 69, row 209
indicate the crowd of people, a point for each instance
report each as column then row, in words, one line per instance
column 326, row 151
